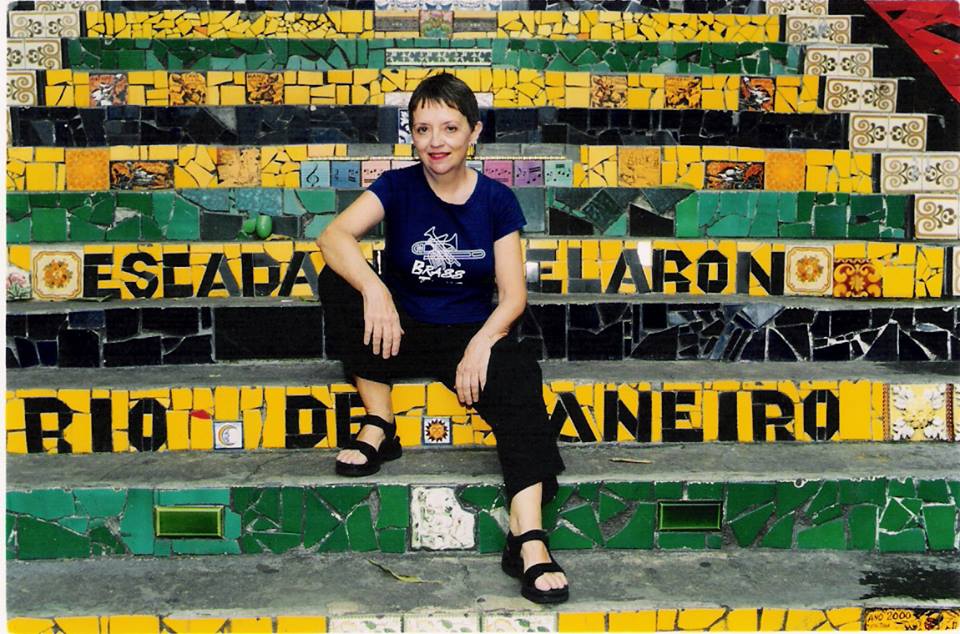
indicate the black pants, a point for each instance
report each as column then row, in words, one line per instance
column 511, row 402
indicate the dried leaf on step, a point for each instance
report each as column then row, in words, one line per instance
column 403, row 578
column 631, row 460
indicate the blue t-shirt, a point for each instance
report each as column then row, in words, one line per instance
column 438, row 260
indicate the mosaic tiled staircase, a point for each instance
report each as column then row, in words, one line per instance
column 718, row 204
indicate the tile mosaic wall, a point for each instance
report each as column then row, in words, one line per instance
column 323, row 416
column 878, row 515
column 768, row 619
column 554, row 265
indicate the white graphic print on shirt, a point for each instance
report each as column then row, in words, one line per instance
column 441, row 257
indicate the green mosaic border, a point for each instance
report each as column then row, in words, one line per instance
column 769, row 59
column 878, row 515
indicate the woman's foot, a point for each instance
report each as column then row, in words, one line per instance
column 376, row 443
column 370, row 434
column 535, row 552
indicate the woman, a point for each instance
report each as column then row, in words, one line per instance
column 451, row 233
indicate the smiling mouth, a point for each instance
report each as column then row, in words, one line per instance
column 438, row 155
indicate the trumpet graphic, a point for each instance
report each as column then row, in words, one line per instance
column 442, row 250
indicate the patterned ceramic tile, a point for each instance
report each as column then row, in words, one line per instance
column 365, row 624
column 608, row 91
column 849, row 61
column 809, row 270
column 559, row 172
column 437, row 520
column 528, row 173
column 61, row 5
column 420, row 57
column 734, row 175
column 941, row 172
column 499, row 170
column 315, row 174
column 21, row 88
column 141, row 175
column 57, row 275
column 856, row 277
column 533, row 622
column 918, row 412
column 436, row 23
column 238, row 167
column 228, row 435
column 398, row 5
column 682, row 92
column 88, row 169
column 638, row 167
column 371, row 171
column 936, row 217
column 441, row 623
column 34, row 53
column 437, row 430
column 756, row 94
column 264, row 89
column 803, row 29
column 397, row 99
column 888, row 132
column 798, row 7
column 18, row 284
column 391, row 21
column 860, row 95
column 917, row 173
column 188, row 89
column 784, row 171
column 108, row 89
column 44, row 24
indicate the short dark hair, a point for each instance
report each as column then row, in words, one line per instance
column 449, row 90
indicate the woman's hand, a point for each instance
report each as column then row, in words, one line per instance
column 381, row 322
column 472, row 369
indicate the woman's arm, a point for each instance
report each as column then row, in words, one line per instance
column 341, row 252
column 512, row 296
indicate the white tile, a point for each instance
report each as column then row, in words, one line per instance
column 860, row 95
column 18, row 284
column 437, row 430
column 532, row 622
column 888, row 132
column 22, row 88
column 66, row 5
column 437, row 520
column 848, row 61
column 228, row 435
column 400, row 99
column 45, row 24
column 936, row 217
column 41, row 54
column 366, row 624
column 798, row 7
column 809, row 270
column 57, row 273
column 441, row 623
column 901, row 173
column 805, row 29
column 941, row 172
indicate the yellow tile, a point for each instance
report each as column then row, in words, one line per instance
column 742, row 620
column 274, row 426
column 49, row 155
column 134, row 624
column 581, row 622
column 23, row 625
column 178, row 430
column 898, row 281
column 804, row 620
column 80, row 624
column 226, row 403
column 856, row 418
column 233, row 96
column 640, row 621
column 41, row 177
column 772, row 619
column 666, row 619
column 843, row 616
column 263, row 625
column 699, row 619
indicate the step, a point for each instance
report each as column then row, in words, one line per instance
column 310, row 405
column 787, row 497
column 615, row 592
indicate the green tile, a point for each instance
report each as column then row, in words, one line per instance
column 481, row 496
column 908, row 541
column 551, row 509
column 19, row 232
column 343, row 498
column 104, row 206
column 830, row 535
column 748, row 527
column 705, row 490
column 610, row 507
column 136, row 526
column 163, row 207
column 638, row 533
column 231, row 524
column 43, row 540
column 687, row 223
column 316, row 226
column 563, row 538
column 360, row 532
column 318, row 521
column 955, row 491
column 46, row 504
column 829, row 221
column 184, row 221
column 940, row 524
column 933, row 491
column 743, row 495
column 76, row 524
column 125, row 231
column 188, row 521
column 279, row 543
column 205, row 547
column 292, row 500
column 589, row 491
column 49, row 225
column 318, row 200
column 18, row 205
column 862, row 523
column 827, row 514
column 194, row 496
column 714, row 540
column 791, row 497
column 83, row 231
column 826, row 496
column 895, row 516
column 269, row 503
column 896, row 211
column 490, row 537
column 668, row 490
column 583, row 519
column 780, row 534
column 857, row 491
column 243, row 497
column 393, row 540
column 686, row 515
column 798, row 230
column 394, row 506
column 249, row 544
column 150, row 230
column 104, row 542
column 336, row 542
column 681, row 540
column 900, row 489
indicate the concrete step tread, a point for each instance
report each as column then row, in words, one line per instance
column 708, row 462
column 632, row 370
column 302, row 583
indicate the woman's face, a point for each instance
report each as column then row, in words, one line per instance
column 442, row 136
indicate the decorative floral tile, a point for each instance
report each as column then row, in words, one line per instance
column 472, row 24
column 108, row 90
column 856, row 277
column 139, row 175
column 188, row 89
column 442, row 623
column 809, row 270
column 849, row 61
column 798, row 7
column 756, row 94
column 436, row 23
column 520, row 623
column 264, row 89
column 499, row 170
column 888, row 132
column 88, row 169
column 34, row 54
column 21, row 88
column 804, row 29
column 528, row 173
column 941, row 172
column 420, row 57
column 61, row 5
column 238, row 167
column 936, row 217
column 365, row 624
column 917, row 173
column 437, row 430
column 44, row 24
column 682, row 92
column 437, row 520
column 398, row 5
column 918, row 412
column 228, row 435
column 371, row 171
column 18, row 284
column 608, row 91
column 734, row 175
column 57, row 275
column 860, row 95
column 558, row 173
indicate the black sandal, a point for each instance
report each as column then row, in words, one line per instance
column 512, row 563
column 389, row 449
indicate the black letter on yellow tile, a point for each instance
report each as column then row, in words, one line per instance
column 33, row 408
column 318, row 422
column 762, row 398
column 127, row 266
